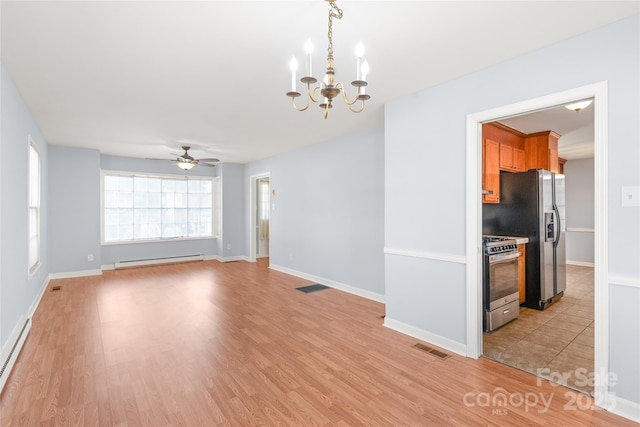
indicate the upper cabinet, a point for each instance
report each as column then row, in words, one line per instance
column 542, row 151
column 511, row 159
column 506, row 149
column 490, row 171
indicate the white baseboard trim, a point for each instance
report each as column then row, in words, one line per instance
column 232, row 258
column 426, row 336
column 580, row 263
column 458, row 259
column 71, row 274
column 331, row 283
column 625, row 408
column 36, row 302
column 624, row 281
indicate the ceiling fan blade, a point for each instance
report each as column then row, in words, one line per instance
column 205, row 164
column 166, row 160
column 209, row 160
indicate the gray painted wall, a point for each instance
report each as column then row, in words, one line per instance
column 19, row 291
column 233, row 201
column 425, row 179
column 329, row 201
column 579, row 193
column 74, row 214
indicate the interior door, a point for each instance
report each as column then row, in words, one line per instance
column 262, row 217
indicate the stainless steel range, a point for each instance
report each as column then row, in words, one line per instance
column 500, row 281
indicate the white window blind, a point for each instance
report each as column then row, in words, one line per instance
column 34, row 208
column 146, row 207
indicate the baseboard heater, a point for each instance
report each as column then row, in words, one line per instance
column 9, row 358
column 153, row 261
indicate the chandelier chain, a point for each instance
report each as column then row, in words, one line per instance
column 334, row 12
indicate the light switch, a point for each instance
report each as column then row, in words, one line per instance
column 630, row 196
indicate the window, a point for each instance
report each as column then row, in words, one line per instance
column 34, row 208
column 146, row 207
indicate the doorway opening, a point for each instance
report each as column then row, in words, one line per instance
column 557, row 342
column 260, row 216
column 598, row 92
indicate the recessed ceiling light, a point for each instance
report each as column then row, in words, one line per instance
column 577, row 106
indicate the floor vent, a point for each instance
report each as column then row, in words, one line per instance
column 433, row 351
column 56, row 288
column 312, row 288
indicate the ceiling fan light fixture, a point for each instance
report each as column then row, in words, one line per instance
column 185, row 165
column 577, row 106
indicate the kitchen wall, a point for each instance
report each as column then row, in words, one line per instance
column 579, row 191
column 425, row 137
column 19, row 292
column 327, row 217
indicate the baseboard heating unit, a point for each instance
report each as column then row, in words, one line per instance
column 11, row 351
column 153, row 261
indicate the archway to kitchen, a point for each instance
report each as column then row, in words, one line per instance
column 474, row 217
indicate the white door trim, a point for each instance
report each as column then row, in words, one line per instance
column 253, row 181
column 598, row 91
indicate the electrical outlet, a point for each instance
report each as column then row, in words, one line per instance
column 90, row 257
column 228, row 246
column 290, row 256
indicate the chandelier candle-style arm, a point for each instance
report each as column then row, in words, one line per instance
column 327, row 89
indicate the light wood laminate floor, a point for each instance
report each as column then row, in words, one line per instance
column 556, row 343
column 207, row 343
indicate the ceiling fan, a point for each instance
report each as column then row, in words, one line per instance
column 186, row 162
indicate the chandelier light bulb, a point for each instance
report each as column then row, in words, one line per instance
column 293, row 66
column 365, row 70
column 308, row 49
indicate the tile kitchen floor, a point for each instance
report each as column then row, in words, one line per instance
column 556, row 343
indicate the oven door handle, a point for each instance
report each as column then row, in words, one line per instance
column 500, row 258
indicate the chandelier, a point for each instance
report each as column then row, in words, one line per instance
column 327, row 90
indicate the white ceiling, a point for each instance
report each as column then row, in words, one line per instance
column 575, row 128
column 142, row 78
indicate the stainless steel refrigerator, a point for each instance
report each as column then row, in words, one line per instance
column 532, row 205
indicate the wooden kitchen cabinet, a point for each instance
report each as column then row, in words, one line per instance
column 542, row 151
column 511, row 159
column 490, row 171
column 522, row 273
column 561, row 163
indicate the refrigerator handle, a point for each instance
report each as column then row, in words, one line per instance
column 558, row 228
